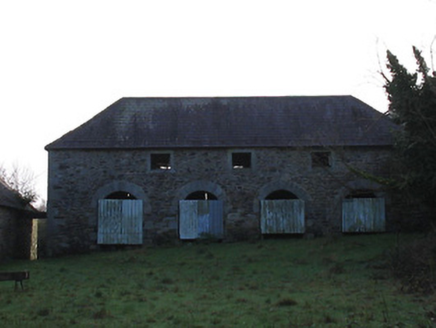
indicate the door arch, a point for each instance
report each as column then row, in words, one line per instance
column 281, row 210
column 120, row 195
column 119, row 215
column 280, row 194
column 363, row 211
column 201, row 212
column 201, row 195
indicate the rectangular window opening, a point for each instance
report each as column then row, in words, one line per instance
column 321, row 159
column 241, row 160
column 160, row 161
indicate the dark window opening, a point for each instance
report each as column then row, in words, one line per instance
column 201, row 195
column 363, row 193
column 281, row 194
column 241, row 160
column 120, row 195
column 321, row 159
column 160, row 161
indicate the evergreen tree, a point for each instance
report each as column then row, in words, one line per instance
column 412, row 98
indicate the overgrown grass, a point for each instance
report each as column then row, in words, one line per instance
column 271, row 283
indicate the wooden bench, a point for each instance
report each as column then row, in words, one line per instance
column 17, row 276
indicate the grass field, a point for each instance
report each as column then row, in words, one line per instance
column 271, row 283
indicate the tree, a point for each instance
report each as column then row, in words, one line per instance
column 21, row 180
column 412, row 98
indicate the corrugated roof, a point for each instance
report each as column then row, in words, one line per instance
column 231, row 122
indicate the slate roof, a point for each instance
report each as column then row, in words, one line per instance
column 231, row 122
column 9, row 198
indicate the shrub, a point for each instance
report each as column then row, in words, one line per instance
column 414, row 264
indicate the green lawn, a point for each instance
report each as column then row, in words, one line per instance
column 270, row 283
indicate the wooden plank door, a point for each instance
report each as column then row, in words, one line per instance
column 188, row 219
column 119, row 222
column 363, row 215
column 282, row 216
column 199, row 218
column 210, row 219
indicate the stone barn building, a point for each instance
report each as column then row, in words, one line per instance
column 155, row 169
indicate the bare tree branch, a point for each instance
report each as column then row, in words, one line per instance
column 20, row 179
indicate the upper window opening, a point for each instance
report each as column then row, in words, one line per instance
column 281, row 194
column 120, row 195
column 241, row 160
column 321, row 159
column 160, row 161
column 201, row 195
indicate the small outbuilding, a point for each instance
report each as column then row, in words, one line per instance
column 18, row 229
column 153, row 169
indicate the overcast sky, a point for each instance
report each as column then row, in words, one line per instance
column 62, row 62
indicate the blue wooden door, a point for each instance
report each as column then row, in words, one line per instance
column 363, row 215
column 119, row 222
column 200, row 218
column 282, row 216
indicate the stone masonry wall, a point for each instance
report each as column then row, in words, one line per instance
column 8, row 232
column 77, row 179
column 15, row 230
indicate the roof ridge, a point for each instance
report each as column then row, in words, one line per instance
column 236, row 97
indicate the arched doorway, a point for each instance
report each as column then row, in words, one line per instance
column 360, row 193
column 201, row 195
column 201, row 215
column 363, row 211
column 282, row 212
column 120, row 216
column 281, row 194
column 120, row 195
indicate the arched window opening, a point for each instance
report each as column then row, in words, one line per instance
column 201, row 195
column 281, row 194
column 120, row 195
column 361, row 193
